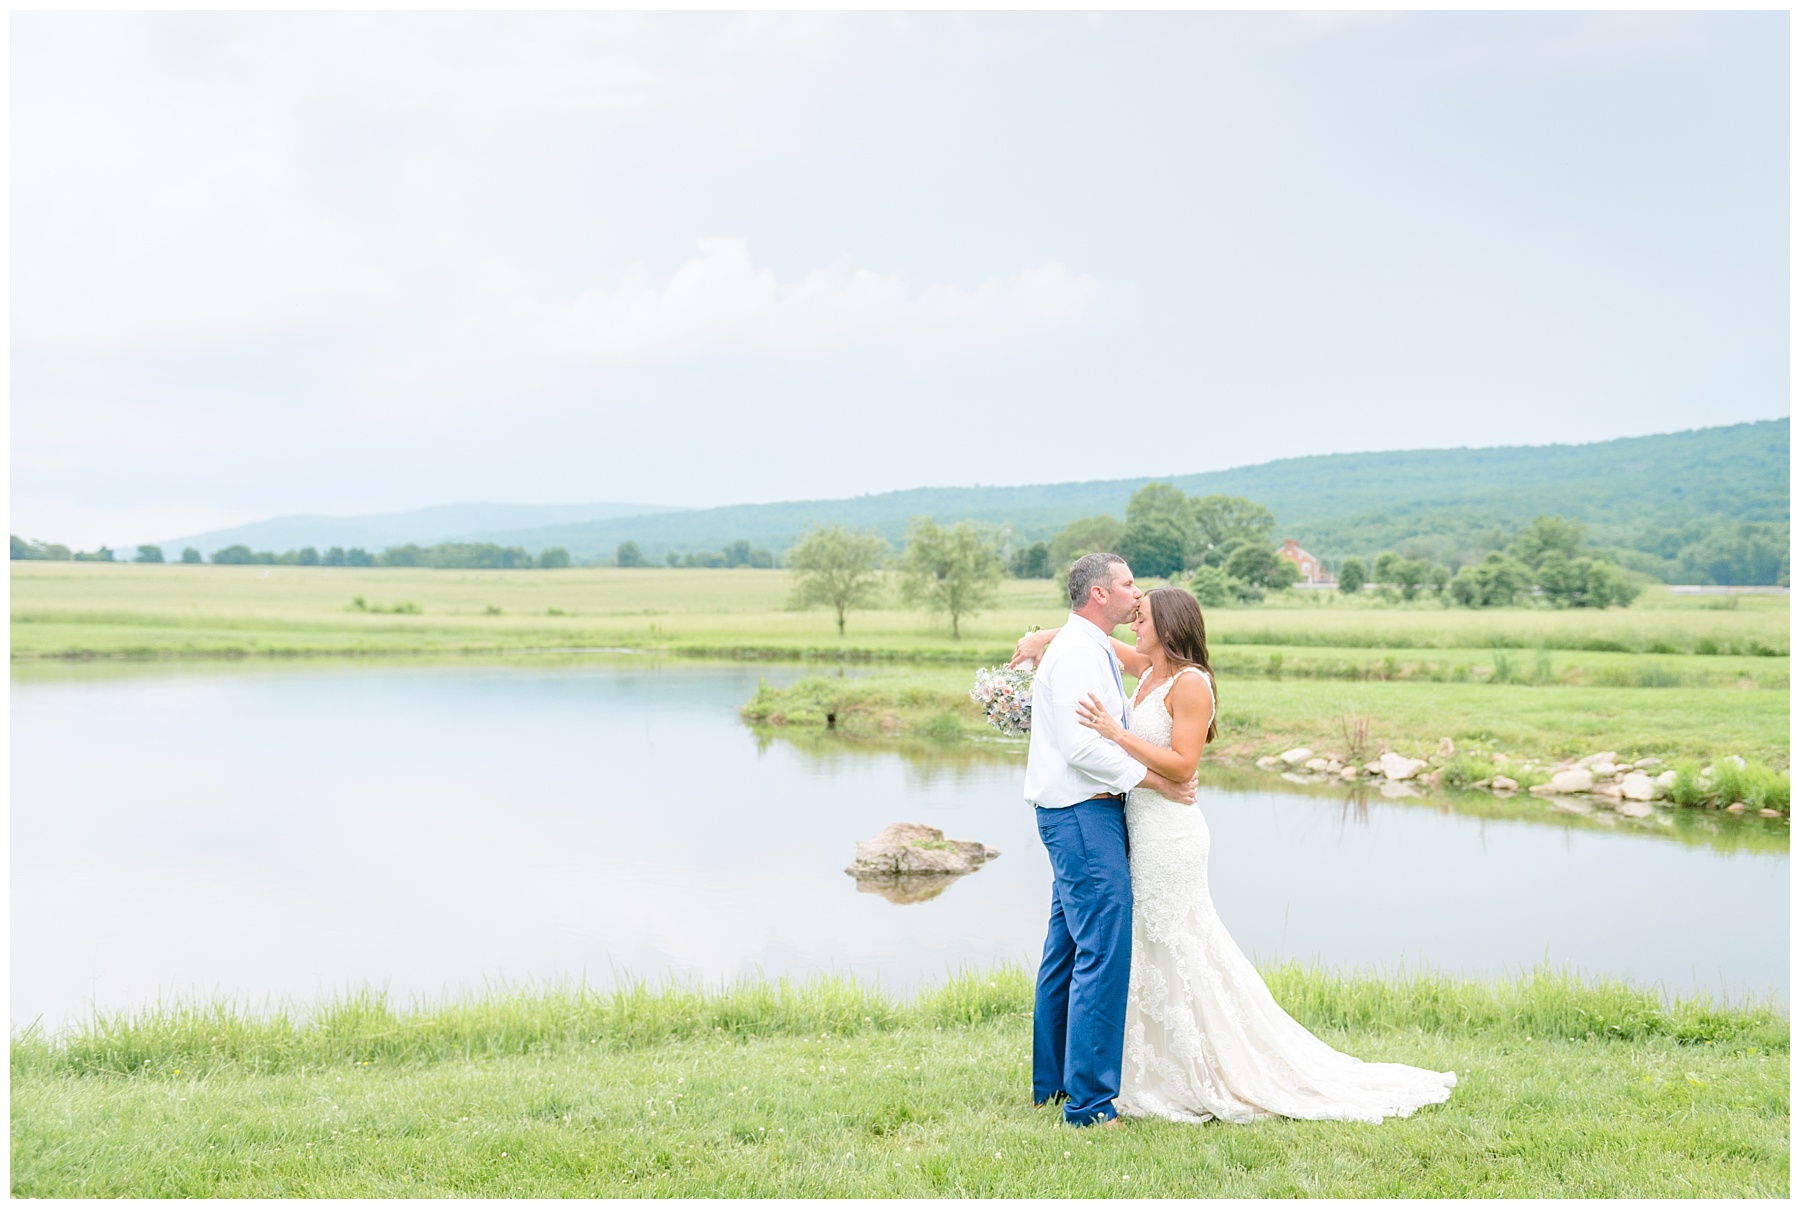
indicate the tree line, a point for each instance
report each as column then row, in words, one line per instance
column 1549, row 557
column 448, row 555
column 735, row 554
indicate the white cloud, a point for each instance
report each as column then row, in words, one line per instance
column 721, row 302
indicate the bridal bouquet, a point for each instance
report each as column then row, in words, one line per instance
column 1004, row 694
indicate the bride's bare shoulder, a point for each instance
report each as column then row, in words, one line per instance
column 1191, row 687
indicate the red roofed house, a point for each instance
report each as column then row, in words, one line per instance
column 1312, row 574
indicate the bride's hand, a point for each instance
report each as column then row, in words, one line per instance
column 1093, row 714
column 1031, row 647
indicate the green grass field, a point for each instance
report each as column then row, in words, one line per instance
column 64, row 609
column 832, row 1089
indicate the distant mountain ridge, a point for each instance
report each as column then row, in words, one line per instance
column 1632, row 493
column 1338, row 505
column 441, row 522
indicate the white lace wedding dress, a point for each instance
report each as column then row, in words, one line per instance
column 1203, row 1036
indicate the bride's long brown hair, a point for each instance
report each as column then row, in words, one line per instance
column 1181, row 628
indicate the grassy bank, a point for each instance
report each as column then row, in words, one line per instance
column 1261, row 714
column 832, row 1089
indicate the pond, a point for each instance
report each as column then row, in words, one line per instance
column 288, row 832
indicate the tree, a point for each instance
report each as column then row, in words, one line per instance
column 1260, row 567
column 1222, row 523
column 1497, row 580
column 1155, row 545
column 356, row 556
column 1212, row 587
column 837, row 567
column 1584, row 583
column 739, row 554
column 335, row 557
column 1089, row 535
column 1408, row 574
column 630, row 556
column 1545, row 536
column 235, row 555
column 190, row 555
column 308, row 557
column 24, row 551
column 1385, row 564
column 149, row 554
column 553, row 558
column 951, row 570
column 1160, row 533
column 1352, row 576
column 1032, row 562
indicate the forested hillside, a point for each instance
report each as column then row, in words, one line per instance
column 1699, row 506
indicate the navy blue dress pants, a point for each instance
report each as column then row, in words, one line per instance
column 1078, row 1023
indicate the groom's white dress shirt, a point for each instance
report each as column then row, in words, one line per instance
column 1068, row 763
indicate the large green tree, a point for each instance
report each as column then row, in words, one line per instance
column 1160, row 533
column 1260, row 567
column 1222, row 523
column 837, row 567
column 1089, row 535
column 1497, row 580
column 1547, row 535
column 952, row 570
column 1584, row 583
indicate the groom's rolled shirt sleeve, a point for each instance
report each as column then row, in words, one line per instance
column 1084, row 749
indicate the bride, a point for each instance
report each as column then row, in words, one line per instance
column 1203, row 1036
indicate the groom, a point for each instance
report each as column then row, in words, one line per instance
column 1078, row 781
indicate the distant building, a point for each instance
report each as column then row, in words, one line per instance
column 1312, row 573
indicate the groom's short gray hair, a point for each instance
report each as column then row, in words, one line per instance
column 1088, row 570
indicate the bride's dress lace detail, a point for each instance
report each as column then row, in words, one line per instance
column 1203, row 1036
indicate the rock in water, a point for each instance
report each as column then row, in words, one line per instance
column 913, row 849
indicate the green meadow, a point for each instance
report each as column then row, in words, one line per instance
column 834, row 1089
column 95, row 609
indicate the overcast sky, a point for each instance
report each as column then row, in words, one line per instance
column 346, row 263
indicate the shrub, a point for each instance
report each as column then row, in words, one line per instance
column 1212, row 587
column 1731, row 783
column 1466, row 769
column 1687, row 790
